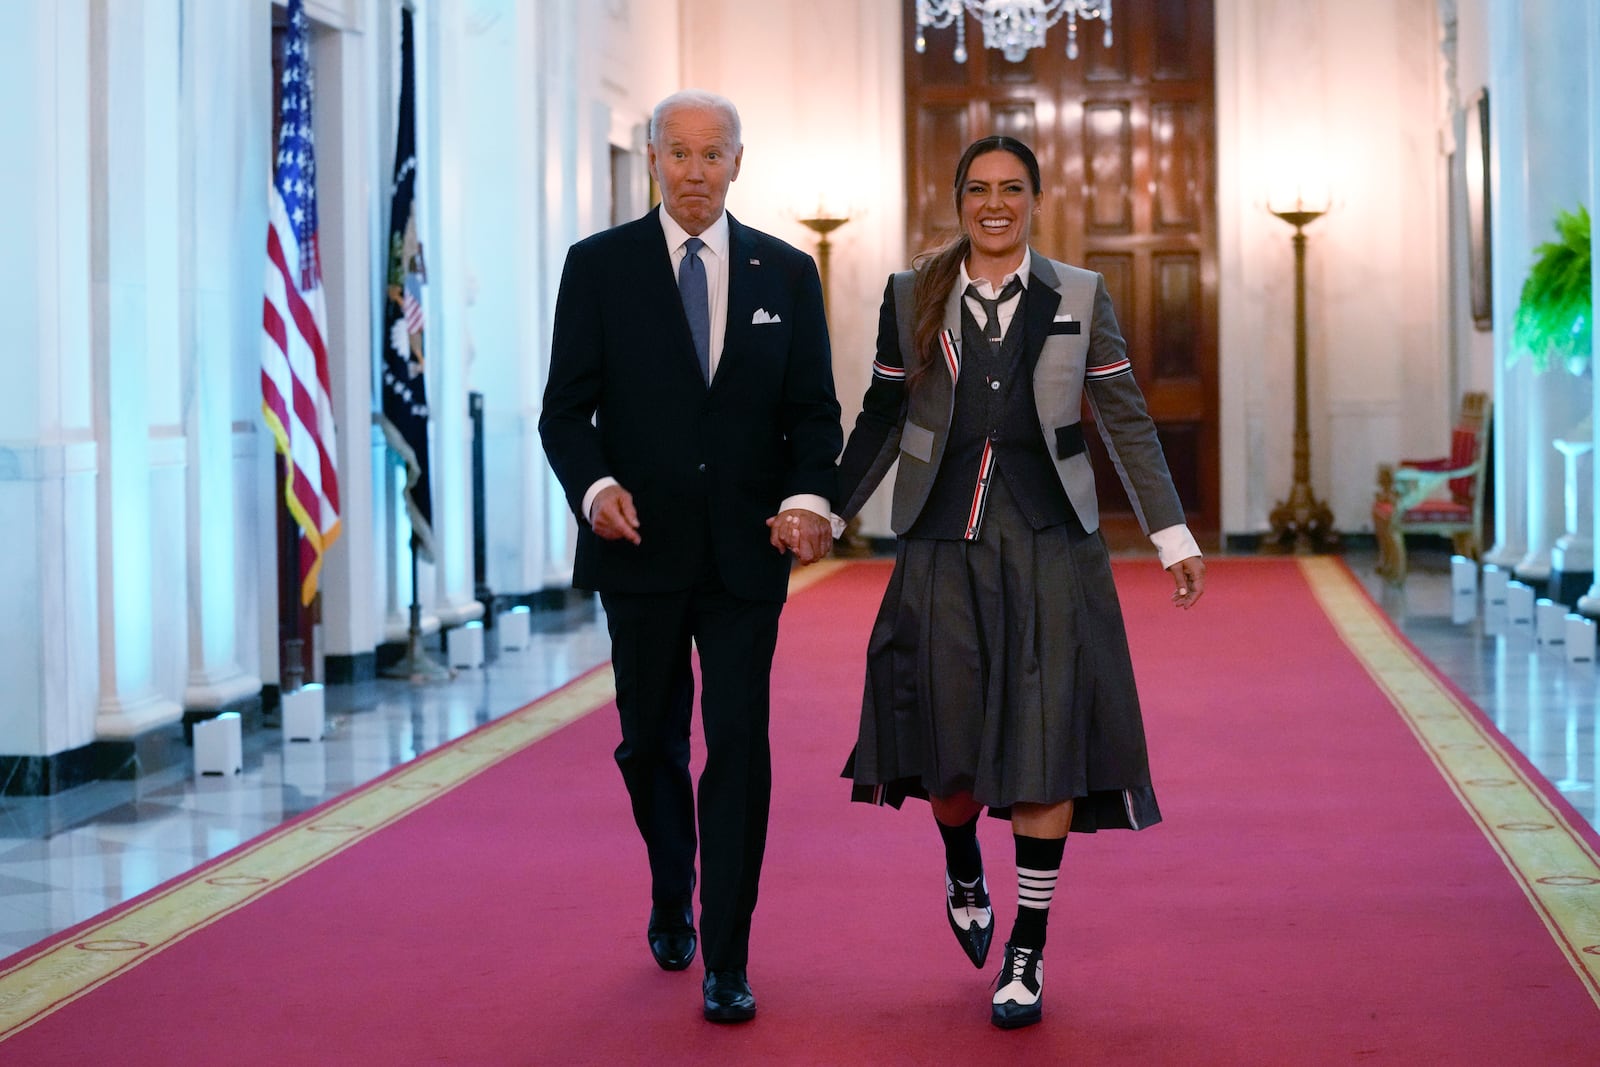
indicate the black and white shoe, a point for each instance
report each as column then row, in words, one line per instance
column 1021, row 982
column 971, row 916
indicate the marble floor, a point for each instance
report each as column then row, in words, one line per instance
column 65, row 858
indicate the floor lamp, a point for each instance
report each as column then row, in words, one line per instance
column 851, row 544
column 1302, row 522
column 822, row 225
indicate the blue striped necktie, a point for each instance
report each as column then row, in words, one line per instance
column 696, row 305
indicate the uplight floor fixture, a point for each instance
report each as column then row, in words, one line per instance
column 1012, row 26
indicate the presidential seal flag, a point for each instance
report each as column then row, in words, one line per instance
column 405, row 389
column 295, row 398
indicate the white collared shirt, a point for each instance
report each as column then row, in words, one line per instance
column 989, row 292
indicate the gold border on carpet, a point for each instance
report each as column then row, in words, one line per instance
column 1551, row 860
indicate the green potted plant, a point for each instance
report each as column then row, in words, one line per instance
column 1555, row 314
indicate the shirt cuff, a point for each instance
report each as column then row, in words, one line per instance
column 594, row 491
column 817, row 505
column 1175, row 543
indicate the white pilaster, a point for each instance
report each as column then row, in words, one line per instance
column 1508, row 226
column 442, row 192
column 225, row 149
column 135, row 75
column 553, row 38
column 352, row 223
column 1589, row 604
column 47, row 474
column 1556, row 157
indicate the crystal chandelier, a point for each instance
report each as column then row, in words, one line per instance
column 1013, row 26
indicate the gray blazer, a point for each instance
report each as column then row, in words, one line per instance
column 1075, row 350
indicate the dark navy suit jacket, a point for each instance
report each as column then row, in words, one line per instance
column 706, row 466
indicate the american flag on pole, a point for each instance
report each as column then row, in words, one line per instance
column 294, row 355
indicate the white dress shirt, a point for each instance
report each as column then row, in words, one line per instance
column 1006, row 310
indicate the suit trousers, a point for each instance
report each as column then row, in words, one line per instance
column 651, row 637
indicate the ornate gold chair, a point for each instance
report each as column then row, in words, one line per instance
column 1443, row 495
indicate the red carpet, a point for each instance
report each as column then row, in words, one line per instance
column 1319, row 893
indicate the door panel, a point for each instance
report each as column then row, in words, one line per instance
column 1126, row 141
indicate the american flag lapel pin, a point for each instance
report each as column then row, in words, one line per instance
column 755, row 263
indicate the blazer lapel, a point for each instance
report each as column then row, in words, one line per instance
column 744, row 287
column 1041, row 303
column 950, row 344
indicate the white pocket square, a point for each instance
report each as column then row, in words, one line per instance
column 1063, row 317
column 761, row 317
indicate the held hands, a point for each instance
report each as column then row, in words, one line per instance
column 612, row 515
column 1190, row 576
column 805, row 533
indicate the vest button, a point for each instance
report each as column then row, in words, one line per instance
column 993, row 384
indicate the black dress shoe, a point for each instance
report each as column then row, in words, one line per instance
column 971, row 917
column 671, row 935
column 1019, row 1000
column 728, row 997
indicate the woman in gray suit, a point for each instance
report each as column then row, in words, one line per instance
column 998, row 673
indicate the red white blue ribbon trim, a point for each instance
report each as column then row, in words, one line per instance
column 952, row 353
column 1108, row 370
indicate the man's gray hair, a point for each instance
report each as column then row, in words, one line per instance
column 695, row 98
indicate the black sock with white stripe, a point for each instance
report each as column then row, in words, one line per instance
column 961, row 856
column 1038, row 866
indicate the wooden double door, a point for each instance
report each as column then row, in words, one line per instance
column 1126, row 140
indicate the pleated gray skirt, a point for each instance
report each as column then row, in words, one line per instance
column 1000, row 667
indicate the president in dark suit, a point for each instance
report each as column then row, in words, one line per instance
column 690, row 416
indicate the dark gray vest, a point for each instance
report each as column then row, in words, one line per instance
column 994, row 404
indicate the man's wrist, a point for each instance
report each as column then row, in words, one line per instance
column 589, row 497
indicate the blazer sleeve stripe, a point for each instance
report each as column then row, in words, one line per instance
column 1108, row 370
column 880, row 369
